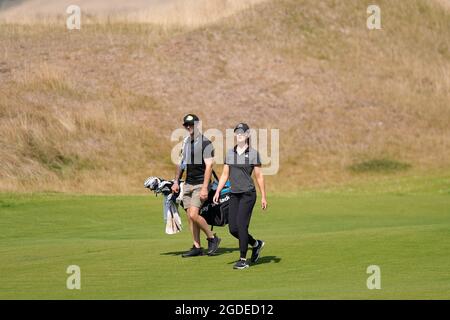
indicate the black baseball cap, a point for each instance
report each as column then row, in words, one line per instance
column 242, row 127
column 190, row 119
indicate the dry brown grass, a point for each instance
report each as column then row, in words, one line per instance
column 92, row 111
column 444, row 3
column 191, row 13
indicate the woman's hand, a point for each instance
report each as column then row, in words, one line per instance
column 264, row 203
column 216, row 197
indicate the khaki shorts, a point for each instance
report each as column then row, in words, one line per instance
column 191, row 196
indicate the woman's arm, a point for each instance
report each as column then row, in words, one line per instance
column 223, row 179
column 260, row 180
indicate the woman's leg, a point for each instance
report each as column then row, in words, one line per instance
column 246, row 204
column 232, row 214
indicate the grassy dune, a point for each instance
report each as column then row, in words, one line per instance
column 318, row 246
column 92, row 110
column 187, row 13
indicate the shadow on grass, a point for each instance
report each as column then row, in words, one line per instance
column 262, row 260
column 268, row 259
column 219, row 252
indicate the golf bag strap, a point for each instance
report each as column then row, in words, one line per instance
column 215, row 175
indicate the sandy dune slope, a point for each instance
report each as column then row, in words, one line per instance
column 93, row 111
column 445, row 3
column 184, row 12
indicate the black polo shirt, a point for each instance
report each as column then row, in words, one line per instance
column 194, row 153
column 241, row 169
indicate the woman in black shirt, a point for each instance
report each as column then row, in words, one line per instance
column 240, row 162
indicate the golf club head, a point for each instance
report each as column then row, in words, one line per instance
column 152, row 183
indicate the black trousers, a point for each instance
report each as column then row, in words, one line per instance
column 240, row 212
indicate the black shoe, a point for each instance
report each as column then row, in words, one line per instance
column 256, row 251
column 213, row 245
column 241, row 264
column 194, row 252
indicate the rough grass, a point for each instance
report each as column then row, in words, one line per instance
column 318, row 245
column 187, row 13
column 92, row 111
column 379, row 166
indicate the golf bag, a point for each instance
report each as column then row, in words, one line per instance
column 217, row 214
column 214, row 214
column 170, row 204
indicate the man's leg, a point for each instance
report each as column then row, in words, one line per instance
column 195, row 231
column 200, row 222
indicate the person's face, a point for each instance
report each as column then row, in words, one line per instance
column 189, row 128
column 241, row 136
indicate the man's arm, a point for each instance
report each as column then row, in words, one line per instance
column 208, row 171
column 178, row 174
column 180, row 168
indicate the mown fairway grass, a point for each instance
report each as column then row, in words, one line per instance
column 319, row 245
